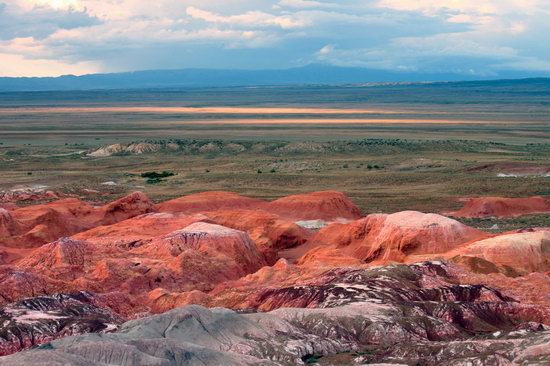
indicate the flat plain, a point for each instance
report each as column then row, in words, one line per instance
column 389, row 147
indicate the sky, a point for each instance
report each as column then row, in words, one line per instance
column 472, row 37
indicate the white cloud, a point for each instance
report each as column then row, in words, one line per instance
column 54, row 4
column 305, row 4
column 90, row 35
column 17, row 65
column 249, row 19
column 326, row 50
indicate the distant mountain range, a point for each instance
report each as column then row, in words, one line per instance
column 311, row 74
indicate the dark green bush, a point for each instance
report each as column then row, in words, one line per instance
column 153, row 175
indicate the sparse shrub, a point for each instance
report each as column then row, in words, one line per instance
column 153, row 181
column 272, row 170
column 152, row 175
column 14, row 153
column 259, row 171
column 310, row 359
column 155, row 178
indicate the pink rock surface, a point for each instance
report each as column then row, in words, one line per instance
column 328, row 205
column 521, row 253
column 395, row 237
column 502, row 207
column 35, row 225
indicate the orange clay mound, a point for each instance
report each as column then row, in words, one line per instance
column 395, row 237
column 18, row 283
column 35, row 225
column 240, row 293
column 502, row 207
column 329, row 205
column 135, row 231
column 8, row 225
column 197, row 256
column 209, row 201
column 270, row 232
column 515, row 254
column 132, row 205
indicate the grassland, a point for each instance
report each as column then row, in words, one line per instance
column 384, row 167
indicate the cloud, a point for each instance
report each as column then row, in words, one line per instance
column 305, row 4
column 82, row 36
column 17, row 65
column 251, row 19
column 40, row 22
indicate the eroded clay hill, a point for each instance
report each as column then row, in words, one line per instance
column 502, row 207
column 513, row 254
column 35, row 225
column 311, row 277
column 329, row 206
column 381, row 238
column 343, row 312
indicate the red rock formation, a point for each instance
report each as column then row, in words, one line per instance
column 502, row 207
column 18, row 284
column 209, row 201
column 129, row 206
column 26, row 194
column 133, row 232
column 198, row 256
column 396, row 237
column 270, row 232
column 35, row 225
column 519, row 253
column 134, row 261
column 329, row 205
column 209, row 253
column 8, row 225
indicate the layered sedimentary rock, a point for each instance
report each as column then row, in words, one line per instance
column 398, row 314
column 270, row 232
column 329, row 205
column 8, row 225
column 288, row 282
column 27, row 194
column 394, row 237
column 502, row 207
column 199, row 255
column 515, row 254
column 39, row 224
column 39, row 320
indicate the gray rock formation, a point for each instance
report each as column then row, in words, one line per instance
column 394, row 314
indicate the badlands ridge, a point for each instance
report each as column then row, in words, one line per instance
column 216, row 278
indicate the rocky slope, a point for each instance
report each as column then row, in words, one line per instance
column 396, row 237
column 329, row 206
column 32, row 226
column 219, row 278
column 39, row 320
column 513, row 254
column 502, row 207
column 366, row 312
